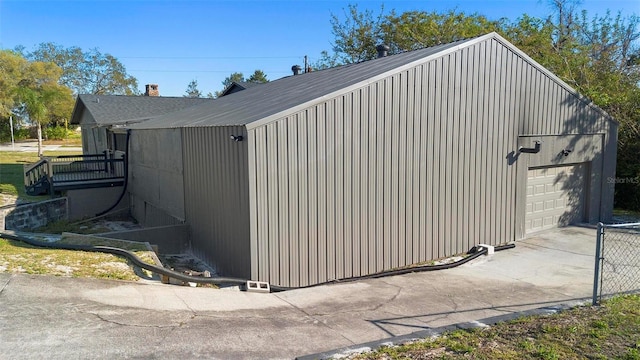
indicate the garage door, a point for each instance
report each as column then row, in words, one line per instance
column 555, row 197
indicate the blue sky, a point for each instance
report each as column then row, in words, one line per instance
column 171, row 43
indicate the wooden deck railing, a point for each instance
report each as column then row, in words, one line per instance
column 73, row 172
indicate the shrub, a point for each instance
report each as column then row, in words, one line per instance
column 56, row 133
column 18, row 134
column 627, row 181
column 22, row 134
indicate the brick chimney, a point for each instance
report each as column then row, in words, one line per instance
column 151, row 90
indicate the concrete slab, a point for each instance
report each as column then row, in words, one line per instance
column 100, row 319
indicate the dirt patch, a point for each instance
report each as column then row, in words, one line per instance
column 187, row 264
column 99, row 226
column 6, row 199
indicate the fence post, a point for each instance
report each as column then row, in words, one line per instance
column 596, row 273
column 106, row 161
column 50, row 176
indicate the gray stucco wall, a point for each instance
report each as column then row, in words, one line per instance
column 85, row 203
column 413, row 167
column 156, row 184
column 170, row 239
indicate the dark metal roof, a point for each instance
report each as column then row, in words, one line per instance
column 117, row 109
column 259, row 102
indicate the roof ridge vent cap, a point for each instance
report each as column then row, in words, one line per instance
column 383, row 49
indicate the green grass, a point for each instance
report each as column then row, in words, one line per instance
column 74, row 139
column 611, row 331
column 18, row 257
column 12, row 172
column 628, row 214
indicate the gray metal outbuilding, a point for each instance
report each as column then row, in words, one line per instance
column 372, row 166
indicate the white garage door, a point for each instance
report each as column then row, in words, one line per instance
column 555, row 197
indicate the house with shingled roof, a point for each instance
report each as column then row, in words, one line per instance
column 96, row 114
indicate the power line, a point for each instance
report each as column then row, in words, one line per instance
column 208, row 57
column 207, row 71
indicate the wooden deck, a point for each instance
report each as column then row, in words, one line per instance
column 74, row 172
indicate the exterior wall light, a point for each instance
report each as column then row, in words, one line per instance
column 236, row 137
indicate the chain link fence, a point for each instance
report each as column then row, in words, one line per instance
column 617, row 265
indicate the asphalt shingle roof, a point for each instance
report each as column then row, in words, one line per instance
column 117, row 109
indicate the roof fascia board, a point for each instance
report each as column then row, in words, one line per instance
column 126, row 122
column 77, row 111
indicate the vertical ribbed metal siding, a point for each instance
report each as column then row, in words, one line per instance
column 217, row 197
column 550, row 109
column 407, row 169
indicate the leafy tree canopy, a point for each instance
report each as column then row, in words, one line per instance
column 192, row 90
column 12, row 66
column 597, row 55
column 357, row 33
column 23, row 82
column 31, row 90
column 258, row 77
column 86, row 72
column 234, row 77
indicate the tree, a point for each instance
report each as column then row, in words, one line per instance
column 234, row 77
column 258, row 77
column 355, row 37
column 532, row 36
column 192, row 90
column 418, row 29
column 12, row 65
column 87, row 72
column 599, row 56
column 39, row 96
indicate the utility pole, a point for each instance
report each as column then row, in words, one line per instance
column 13, row 145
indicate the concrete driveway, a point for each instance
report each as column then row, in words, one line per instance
column 66, row 318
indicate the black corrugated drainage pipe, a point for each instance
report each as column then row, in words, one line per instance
column 126, row 176
column 130, row 256
column 475, row 252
